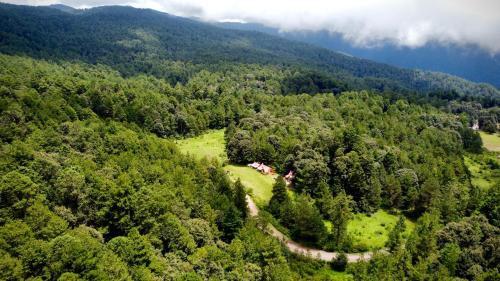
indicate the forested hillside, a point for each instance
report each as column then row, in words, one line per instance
column 93, row 185
column 469, row 62
column 84, row 174
column 145, row 41
column 87, row 194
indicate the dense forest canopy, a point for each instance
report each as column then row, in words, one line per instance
column 93, row 187
column 79, row 180
column 85, row 174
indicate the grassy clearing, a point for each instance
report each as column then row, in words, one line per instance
column 210, row 145
column 328, row 274
column 483, row 169
column 491, row 141
column 371, row 232
column 260, row 185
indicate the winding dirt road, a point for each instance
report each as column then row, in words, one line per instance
column 303, row 250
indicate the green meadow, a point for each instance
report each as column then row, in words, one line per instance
column 491, row 141
column 211, row 145
column 258, row 184
column 371, row 232
column 484, row 168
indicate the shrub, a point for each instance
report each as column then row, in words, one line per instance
column 340, row 263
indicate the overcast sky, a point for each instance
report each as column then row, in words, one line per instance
column 409, row 23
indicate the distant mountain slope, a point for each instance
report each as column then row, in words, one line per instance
column 65, row 8
column 146, row 41
column 468, row 62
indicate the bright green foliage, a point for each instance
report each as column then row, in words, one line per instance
column 305, row 222
column 490, row 207
column 450, row 254
column 81, row 250
column 133, row 249
column 311, row 170
column 240, row 198
column 422, row 242
column 87, row 194
column 484, row 169
column 174, row 235
column 210, row 145
column 280, row 197
column 381, row 153
column 17, row 192
column 460, row 249
column 260, row 185
column 394, row 241
column 46, row 224
column 340, row 213
column 300, row 215
column 10, row 268
column 369, row 232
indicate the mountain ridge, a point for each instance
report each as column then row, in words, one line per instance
column 134, row 40
column 469, row 62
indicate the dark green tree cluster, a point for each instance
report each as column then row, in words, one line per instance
column 300, row 215
column 381, row 153
column 463, row 250
column 204, row 102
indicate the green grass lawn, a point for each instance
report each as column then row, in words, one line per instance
column 328, row 274
column 371, row 232
column 491, row 141
column 208, row 145
column 260, row 185
column 211, row 145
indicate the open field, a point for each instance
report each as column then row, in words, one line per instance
column 328, row 274
column 371, row 232
column 491, row 141
column 208, row 145
column 260, row 185
column 211, row 145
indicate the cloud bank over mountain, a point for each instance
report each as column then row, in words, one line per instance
column 410, row 23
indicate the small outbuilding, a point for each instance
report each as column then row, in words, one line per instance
column 254, row 165
column 475, row 126
column 289, row 177
column 261, row 167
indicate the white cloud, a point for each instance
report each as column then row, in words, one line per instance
column 410, row 23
